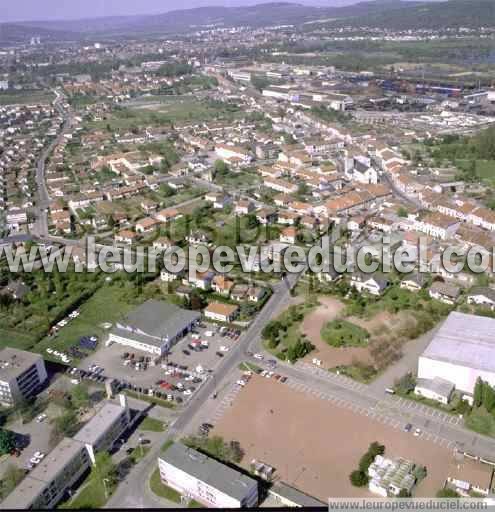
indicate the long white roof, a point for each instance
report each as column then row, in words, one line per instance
column 465, row 340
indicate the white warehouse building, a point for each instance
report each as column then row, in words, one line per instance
column 199, row 477
column 462, row 351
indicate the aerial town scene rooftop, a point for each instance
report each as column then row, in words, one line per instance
column 246, row 253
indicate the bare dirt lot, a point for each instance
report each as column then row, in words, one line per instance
column 330, row 357
column 314, row 445
column 380, row 326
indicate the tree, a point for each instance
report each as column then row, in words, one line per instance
column 10, row 480
column 221, row 168
column 104, row 470
column 65, row 425
column 405, row 384
column 404, row 493
column 80, row 396
column 358, row 478
column 166, row 190
column 488, row 397
column 272, row 329
column 478, row 393
column 303, row 190
column 259, row 82
column 251, row 221
column 401, row 211
column 7, row 441
column 420, row 473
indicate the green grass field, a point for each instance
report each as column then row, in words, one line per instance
column 340, row 333
column 26, row 97
column 106, row 305
column 151, row 425
column 481, row 421
column 162, row 490
column 91, row 496
column 165, row 111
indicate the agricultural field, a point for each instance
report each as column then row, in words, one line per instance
column 26, row 97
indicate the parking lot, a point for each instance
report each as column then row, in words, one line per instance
column 176, row 377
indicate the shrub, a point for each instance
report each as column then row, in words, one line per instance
column 358, row 478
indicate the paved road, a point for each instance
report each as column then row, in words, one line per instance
column 399, row 193
column 40, row 227
column 128, row 495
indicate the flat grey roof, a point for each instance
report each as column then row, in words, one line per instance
column 465, row 340
column 24, row 494
column 13, row 362
column 438, row 385
column 295, row 495
column 99, row 424
column 33, row 485
column 154, row 320
column 208, row 470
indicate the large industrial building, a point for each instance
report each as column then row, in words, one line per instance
column 462, row 351
column 21, row 375
column 154, row 327
column 206, row 480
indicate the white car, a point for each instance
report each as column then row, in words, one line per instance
column 417, row 432
column 187, row 392
column 241, row 383
column 39, row 455
column 40, row 418
column 223, row 348
column 189, row 377
column 34, row 461
column 209, row 333
column 49, row 350
column 258, row 356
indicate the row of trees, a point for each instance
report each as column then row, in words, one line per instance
column 484, row 395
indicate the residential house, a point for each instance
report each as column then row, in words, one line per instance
column 126, row 236
column 414, row 282
column 222, row 285
column 201, row 280
column 288, row 235
column 243, row 207
column 375, row 284
column 482, row 296
column 146, row 225
column 444, row 292
column 220, row 312
column 162, row 243
column 437, row 225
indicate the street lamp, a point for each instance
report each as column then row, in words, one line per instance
column 105, row 480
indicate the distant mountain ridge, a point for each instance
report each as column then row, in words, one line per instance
column 275, row 13
column 393, row 14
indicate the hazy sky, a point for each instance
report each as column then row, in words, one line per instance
column 17, row 10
